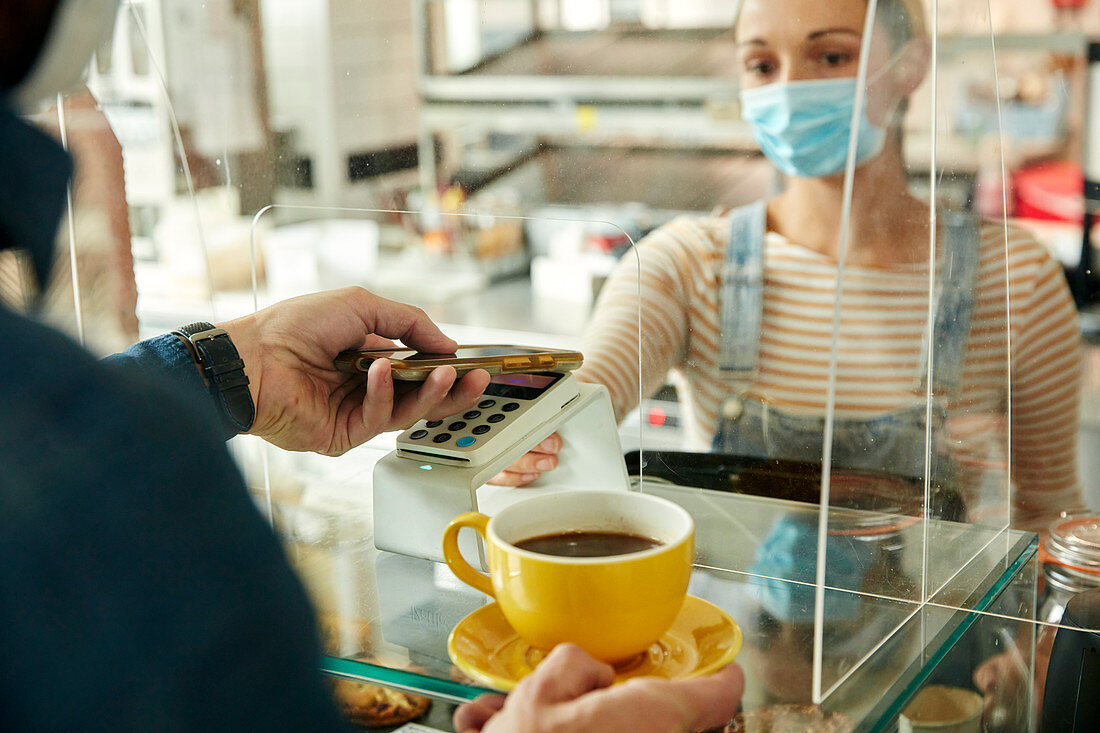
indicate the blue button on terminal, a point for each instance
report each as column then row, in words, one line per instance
column 465, row 441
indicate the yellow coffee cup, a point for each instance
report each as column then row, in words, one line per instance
column 613, row 606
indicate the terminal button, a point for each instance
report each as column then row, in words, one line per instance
column 509, row 406
column 465, row 441
column 442, row 438
column 418, row 434
column 486, row 404
column 497, row 417
column 480, row 429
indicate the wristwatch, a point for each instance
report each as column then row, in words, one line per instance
column 223, row 370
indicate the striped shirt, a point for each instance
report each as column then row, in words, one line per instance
column 884, row 316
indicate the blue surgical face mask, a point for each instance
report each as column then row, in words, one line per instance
column 802, row 126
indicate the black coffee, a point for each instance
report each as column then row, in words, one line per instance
column 587, row 544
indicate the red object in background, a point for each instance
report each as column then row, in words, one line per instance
column 1051, row 191
column 1068, row 4
column 607, row 242
column 656, row 417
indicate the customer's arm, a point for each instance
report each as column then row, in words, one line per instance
column 139, row 587
column 302, row 401
column 570, row 692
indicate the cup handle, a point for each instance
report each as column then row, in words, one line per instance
column 453, row 556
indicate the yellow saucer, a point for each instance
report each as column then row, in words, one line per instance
column 703, row 639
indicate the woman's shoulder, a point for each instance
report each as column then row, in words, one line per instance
column 1026, row 255
column 698, row 232
column 686, row 240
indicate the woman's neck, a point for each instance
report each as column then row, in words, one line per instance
column 888, row 226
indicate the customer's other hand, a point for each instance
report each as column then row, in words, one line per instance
column 532, row 464
column 570, row 692
column 304, row 403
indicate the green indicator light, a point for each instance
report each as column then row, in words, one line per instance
column 427, row 467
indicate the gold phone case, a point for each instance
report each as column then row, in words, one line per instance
column 416, row 370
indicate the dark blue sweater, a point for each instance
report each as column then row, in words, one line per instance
column 139, row 587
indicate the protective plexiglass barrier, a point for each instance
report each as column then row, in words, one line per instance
column 873, row 343
column 907, row 561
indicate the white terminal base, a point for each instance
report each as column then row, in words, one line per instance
column 415, row 500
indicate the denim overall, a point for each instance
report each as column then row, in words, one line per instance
column 893, row 442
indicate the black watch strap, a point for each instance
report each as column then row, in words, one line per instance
column 223, row 370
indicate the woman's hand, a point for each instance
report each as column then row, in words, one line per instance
column 570, row 692
column 304, row 403
column 532, row 464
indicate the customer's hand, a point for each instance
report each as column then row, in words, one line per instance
column 570, row 692
column 532, row 464
column 304, row 403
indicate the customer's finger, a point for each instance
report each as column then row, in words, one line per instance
column 396, row 320
column 414, row 404
column 712, row 700
column 472, row 716
column 567, row 673
column 377, row 404
column 464, row 393
column 650, row 703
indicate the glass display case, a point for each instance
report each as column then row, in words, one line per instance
column 387, row 617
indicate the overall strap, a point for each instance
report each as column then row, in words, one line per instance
column 741, row 291
column 955, row 303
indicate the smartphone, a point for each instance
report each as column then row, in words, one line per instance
column 410, row 365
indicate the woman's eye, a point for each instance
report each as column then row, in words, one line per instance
column 835, row 58
column 759, row 68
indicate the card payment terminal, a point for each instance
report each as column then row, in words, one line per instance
column 440, row 468
column 513, row 405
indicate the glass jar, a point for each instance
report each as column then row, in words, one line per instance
column 1070, row 555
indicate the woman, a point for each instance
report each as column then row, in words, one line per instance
column 764, row 389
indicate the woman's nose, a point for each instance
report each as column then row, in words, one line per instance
column 795, row 72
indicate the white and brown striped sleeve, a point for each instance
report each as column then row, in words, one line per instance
column 639, row 329
column 1045, row 387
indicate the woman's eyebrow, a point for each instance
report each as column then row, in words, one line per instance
column 813, row 36
column 829, row 31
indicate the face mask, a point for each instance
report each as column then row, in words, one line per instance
column 78, row 28
column 802, row 126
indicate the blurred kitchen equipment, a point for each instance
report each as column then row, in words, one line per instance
column 1070, row 702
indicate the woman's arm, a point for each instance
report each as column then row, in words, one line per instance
column 643, row 309
column 1046, row 393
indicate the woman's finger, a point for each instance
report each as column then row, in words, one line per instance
column 511, row 478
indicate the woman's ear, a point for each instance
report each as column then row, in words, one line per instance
column 912, row 65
